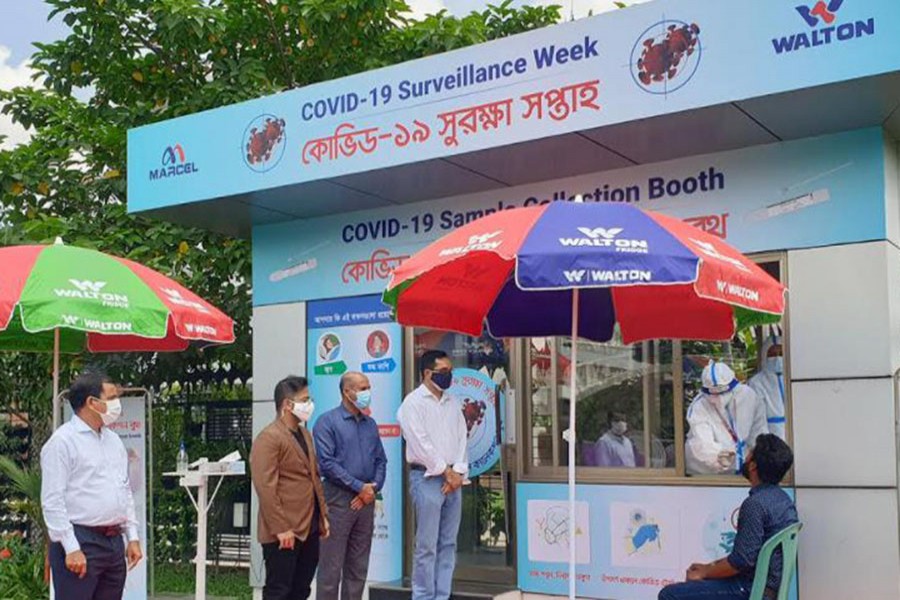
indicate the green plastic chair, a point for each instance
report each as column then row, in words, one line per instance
column 788, row 539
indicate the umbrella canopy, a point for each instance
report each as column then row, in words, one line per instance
column 99, row 302
column 654, row 275
column 582, row 269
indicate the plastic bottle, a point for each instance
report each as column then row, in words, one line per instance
column 181, row 465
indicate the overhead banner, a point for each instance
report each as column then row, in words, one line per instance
column 653, row 59
column 807, row 193
column 358, row 334
column 630, row 542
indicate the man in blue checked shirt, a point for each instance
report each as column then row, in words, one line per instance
column 353, row 462
column 766, row 512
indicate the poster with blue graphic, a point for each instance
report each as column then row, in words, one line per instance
column 630, row 542
column 483, row 406
column 358, row 334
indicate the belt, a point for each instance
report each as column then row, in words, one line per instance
column 417, row 467
column 104, row 530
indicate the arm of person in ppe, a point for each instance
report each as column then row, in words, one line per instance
column 760, row 421
column 707, row 454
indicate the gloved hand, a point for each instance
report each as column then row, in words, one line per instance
column 726, row 458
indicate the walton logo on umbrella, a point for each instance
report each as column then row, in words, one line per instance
column 607, row 238
column 476, row 242
column 176, row 298
column 710, row 250
column 93, row 290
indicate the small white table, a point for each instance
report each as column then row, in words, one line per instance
column 199, row 478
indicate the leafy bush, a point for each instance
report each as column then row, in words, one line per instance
column 21, row 571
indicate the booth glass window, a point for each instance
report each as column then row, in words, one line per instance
column 624, row 412
column 641, row 411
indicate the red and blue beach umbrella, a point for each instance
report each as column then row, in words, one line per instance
column 581, row 270
column 515, row 271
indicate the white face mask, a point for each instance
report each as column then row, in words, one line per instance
column 303, row 410
column 619, row 427
column 775, row 364
column 113, row 411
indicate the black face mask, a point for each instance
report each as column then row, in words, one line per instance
column 442, row 380
column 745, row 471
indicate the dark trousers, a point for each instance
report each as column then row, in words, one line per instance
column 720, row 589
column 289, row 573
column 106, row 570
column 344, row 562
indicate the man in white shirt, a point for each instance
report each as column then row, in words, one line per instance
column 86, row 497
column 435, row 432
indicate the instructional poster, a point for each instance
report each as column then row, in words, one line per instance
column 358, row 334
column 629, row 541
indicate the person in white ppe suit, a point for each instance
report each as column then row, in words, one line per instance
column 769, row 385
column 724, row 420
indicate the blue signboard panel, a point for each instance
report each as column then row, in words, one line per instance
column 653, row 59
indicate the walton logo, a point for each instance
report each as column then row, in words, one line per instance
column 710, row 250
column 823, row 11
column 94, row 287
column 603, row 237
column 823, row 14
column 601, row 277
column 174, row 164
column 483, row 241
column 175, row 297
column 85, row 289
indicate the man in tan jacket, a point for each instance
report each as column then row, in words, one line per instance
column 292, row 511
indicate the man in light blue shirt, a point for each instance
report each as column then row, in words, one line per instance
column 87, row 500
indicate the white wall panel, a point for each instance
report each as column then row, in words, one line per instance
column 849, row 545
column 844, row 433
column 840, row 311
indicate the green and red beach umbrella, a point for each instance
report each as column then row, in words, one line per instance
column 67, row 299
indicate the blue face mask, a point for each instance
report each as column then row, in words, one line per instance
column 442, row 380
column 363, row 399
column 776, row 364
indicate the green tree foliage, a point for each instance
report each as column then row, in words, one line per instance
column 143, row 61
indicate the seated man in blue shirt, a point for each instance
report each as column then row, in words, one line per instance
column 767, row 511
column 353, row 462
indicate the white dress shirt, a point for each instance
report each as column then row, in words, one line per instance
column 85, row 482
column 435, row 432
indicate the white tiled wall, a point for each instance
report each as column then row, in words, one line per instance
column 844, row 434
column 849, row 548
column 892, row 187
column 839, row 311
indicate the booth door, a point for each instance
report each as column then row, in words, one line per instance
column 481, row 367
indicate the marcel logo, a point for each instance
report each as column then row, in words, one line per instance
column 174, row 164
column 824, row 20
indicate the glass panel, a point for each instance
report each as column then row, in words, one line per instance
column 625, row 412
column 722, row 427
column 483, row 534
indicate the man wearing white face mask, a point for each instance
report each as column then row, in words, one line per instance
column 354, row 466
column 769, row 385
column 86, row 497
column 725, row 420
column 292, row 511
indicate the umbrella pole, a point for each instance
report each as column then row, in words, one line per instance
column 573, row 398
column 55, row 379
